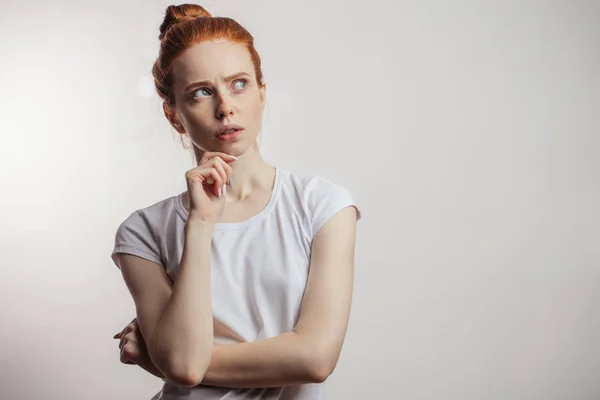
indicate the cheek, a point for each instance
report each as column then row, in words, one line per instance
column 254, row 107
column 200, row 116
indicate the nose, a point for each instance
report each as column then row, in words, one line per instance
column 224, row 108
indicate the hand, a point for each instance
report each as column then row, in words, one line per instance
column 134, row 350
column 132, row 344
column 206, row 186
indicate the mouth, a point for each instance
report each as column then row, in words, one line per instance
column 229, row 132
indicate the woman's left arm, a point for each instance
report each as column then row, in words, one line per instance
column 310, row 352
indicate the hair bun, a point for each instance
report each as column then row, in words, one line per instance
column 181, row 13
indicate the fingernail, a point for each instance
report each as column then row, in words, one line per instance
column 229, row 181
column 234, row 157
column 224, row 190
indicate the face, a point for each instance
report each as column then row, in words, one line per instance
column 214, row 85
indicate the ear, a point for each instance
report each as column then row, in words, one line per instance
column 263, row 94
column 171, row 116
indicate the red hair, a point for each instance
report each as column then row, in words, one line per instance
column 188, row 24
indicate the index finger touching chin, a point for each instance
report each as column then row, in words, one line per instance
column 224, row 156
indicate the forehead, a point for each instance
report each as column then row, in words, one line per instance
column 211, row 60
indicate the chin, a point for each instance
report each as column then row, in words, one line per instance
column 237, row 149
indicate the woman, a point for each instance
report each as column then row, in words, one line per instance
column 226, row 306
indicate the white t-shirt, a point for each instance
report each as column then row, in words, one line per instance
column 259, row 267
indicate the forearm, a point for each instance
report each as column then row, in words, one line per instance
column 148, row 366
column 280, row 361
column 182, row 341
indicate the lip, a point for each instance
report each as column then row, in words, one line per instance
column 227, row 127
column 229, row 136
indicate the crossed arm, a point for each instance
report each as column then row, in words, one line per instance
column 309, row 353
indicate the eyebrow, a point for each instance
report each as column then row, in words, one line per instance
column 226, row 79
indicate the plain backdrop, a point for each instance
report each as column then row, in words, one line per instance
column 468, row 132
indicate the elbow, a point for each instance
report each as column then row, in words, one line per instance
column 186, row 370
column 319, row 358
column 190, row 381
column 320, row 368
column 320, row 373
column 319, row 376
column 187, row 377
column 189, row 373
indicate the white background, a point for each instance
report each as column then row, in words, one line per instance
column 468, row 131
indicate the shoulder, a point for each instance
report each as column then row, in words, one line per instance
column 320, row 198
column 311, row 187
column 144, row 230
column 153, row 215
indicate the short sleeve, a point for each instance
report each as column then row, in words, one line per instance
column 135, row 236
column 327, row 199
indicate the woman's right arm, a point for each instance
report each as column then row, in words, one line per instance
column 176, row 322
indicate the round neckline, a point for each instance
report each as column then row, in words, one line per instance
column 242, row 224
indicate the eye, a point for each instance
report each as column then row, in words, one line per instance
column 205, row 92
column 240, row 84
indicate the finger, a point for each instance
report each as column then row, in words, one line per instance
column 219, row 165
column 229, row 171
column 133, row 323
column 202, row 174
column 123, row 336
column 129, row 338
column 209, row 155
column 226, row 157
column 218, row 182
column 125, row 358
